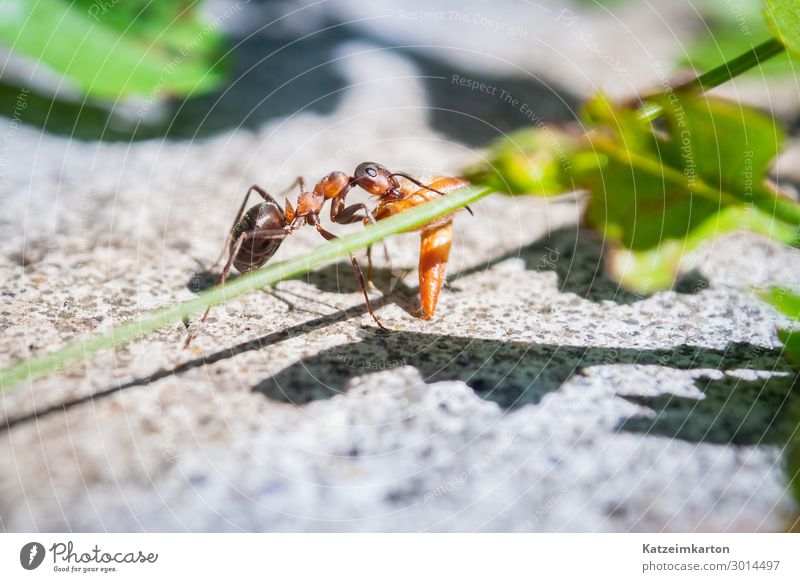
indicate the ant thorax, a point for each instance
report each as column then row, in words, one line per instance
column 331, row 185
column 309, row 203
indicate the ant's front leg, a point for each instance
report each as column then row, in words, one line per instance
column 349, row 214
column 369, row 262
column 342, row 214
column 359, row 275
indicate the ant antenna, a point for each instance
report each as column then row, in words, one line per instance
column 418, row 183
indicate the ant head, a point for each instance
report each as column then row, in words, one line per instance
column 374, row 178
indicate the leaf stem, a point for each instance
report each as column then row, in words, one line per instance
column 733, row 68
column 719, row 75
column 126, row 332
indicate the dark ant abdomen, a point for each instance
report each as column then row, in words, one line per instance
column 254, row 252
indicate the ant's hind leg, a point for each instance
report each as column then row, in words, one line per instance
column 254, row 188
column 262, row 234
column 253, row 234
column 267, row 198
column 222, row 278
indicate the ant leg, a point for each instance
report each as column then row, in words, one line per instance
column 264, row 233
column 267, row 198
column 227, row 243
column 254, row 188
column 369, row 267
column 359, row 276
column 348, row 214
column 369, row 262
column 257, row 234
column 299, row 181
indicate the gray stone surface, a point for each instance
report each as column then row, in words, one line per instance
column 541, row 398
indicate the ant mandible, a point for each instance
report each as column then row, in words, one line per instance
column 257, row 233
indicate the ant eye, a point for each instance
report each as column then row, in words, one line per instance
column 371, row 172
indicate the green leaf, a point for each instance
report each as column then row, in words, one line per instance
column 529, row 161
column 109, row 50
column 791, row 345
column 658, row 189
column 710, row 50
column 659, row 192
column 783, row 17
column 787, row 303
column 731, row 29
column 784, row 301
column 657, row 267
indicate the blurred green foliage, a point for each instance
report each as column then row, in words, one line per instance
column 666, row 179
column 529, row 161
column 730, row 29
column 113, row 48
column 783, row 17
column 787, row 303
column 658, row 190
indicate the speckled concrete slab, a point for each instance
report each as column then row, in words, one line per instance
column 541, row 398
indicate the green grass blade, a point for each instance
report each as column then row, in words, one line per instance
column 79, row 350
column 719, row 75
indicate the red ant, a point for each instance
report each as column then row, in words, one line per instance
column 393, row 198
column 257, row 233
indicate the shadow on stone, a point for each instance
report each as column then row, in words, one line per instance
column 732, row 410
column 576, row 256
column 275, row 72
column 475, row 117
column 272, row 338
column 512, row 374
column 339, row 278
column 204, row 279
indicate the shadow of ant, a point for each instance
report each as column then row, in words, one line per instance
column 512, row 374
column 259, row 343
column 333, row 278
column 574, row 254
column 517, row 387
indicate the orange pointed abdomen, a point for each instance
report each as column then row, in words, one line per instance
column 433, row 255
